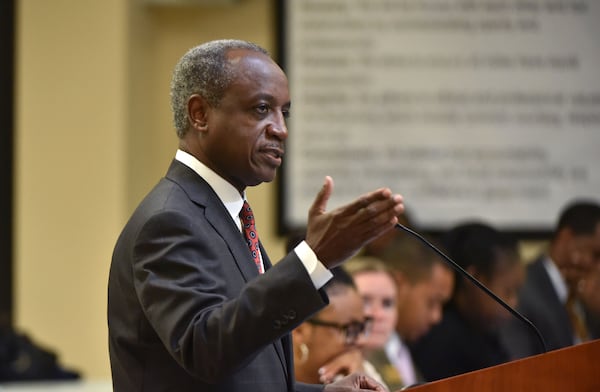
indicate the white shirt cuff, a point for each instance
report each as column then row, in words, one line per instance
column 319, row 274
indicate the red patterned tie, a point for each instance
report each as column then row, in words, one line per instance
column 249, row 229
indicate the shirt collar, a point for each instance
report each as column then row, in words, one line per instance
column 226, row 192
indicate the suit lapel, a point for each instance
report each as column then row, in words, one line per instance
column 243, row 259
column 281, row 346
column 554, row 309
column 201, row 193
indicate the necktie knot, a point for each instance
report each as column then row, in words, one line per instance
column 249, row 229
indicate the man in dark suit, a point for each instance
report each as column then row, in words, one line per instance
column 551, row 297
column 467, row 338
column 189, row 307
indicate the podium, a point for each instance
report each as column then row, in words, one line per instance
column 571, row 369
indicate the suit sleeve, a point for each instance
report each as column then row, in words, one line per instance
column 194, row 296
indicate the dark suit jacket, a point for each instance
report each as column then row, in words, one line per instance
column 538, row 302
column 187, row 310
column 456, row 346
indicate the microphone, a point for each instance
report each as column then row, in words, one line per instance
column 477, row 283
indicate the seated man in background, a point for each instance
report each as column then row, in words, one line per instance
column 467, row 338
column 424, row 282
column 551, row 297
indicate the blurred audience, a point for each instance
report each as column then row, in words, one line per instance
column 468, row 338
column 559, row 294
column 424, row 284
column 377, row 287
column 330, row 339
column 589, row 292
column 328, row 346
column 22, row 359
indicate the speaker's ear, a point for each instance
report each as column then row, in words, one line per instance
column 198, row 109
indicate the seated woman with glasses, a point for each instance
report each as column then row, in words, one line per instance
column 332, row 333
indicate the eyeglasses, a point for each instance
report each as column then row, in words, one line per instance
column 352, row 330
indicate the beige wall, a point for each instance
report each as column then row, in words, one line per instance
column 93, row 135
